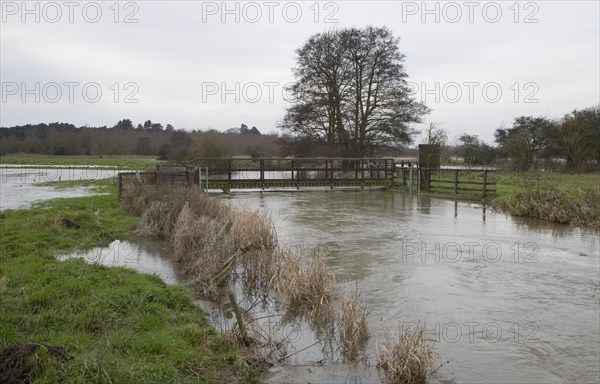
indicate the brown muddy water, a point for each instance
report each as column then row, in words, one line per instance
column 506, row 300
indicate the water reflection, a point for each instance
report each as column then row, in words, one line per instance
column 145, row 256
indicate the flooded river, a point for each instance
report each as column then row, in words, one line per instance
column 507, row 300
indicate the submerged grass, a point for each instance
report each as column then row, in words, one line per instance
column 352, row 325
column 405, row 358
column 306, row 284
column 115, row 325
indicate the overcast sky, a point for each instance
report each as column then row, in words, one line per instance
column 201, row 65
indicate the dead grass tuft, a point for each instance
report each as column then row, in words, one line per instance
column 353, row 332
column 199, row 244
column 307, row 286
column 407, row 358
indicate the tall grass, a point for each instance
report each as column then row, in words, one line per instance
column 194, row 244
column 306, row 284
column 197, row 227
column 558, row 205
column 353, row 331
column 405, row 358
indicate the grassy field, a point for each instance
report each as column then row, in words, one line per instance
column 116, row 325
column 122, row 162
column 510, row 183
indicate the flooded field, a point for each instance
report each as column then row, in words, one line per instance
column 18, row 189
column 506, row 300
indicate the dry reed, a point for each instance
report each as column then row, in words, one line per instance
column 407, row 359
column 197, row 247
column 307, row 286
column 353, row 332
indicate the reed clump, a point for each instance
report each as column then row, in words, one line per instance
column 557, row 205
column 353, row 331
column 209, row 239
column 201, row 245
column 307, row 285
column 407, row 358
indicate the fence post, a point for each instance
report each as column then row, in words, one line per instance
column 456, row 181
column 484, row 182
column 229, row 170
column 362, row 171
column 120, row 184
column 262, row 173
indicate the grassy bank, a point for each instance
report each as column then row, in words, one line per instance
column 121, row 162
column 116, row 325
column 553, row 196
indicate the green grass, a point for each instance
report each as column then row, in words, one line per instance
column 510, row 183
column 568, row 198
column 117, row 325
column 122, row 162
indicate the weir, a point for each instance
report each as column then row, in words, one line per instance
column 297, row 173
column 267, row 173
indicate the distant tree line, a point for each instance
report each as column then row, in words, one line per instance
column 147, row 139
column 571, row 142
column 574, row 139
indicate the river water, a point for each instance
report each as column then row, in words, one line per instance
column 507, row 300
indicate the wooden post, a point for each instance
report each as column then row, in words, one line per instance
column 262, row 173
column 229, row 171
column 456, row 181
column 403, row 176
column 292, row 170
column 120, row 184
column 484, row 182
column 385, row 170
column 362, row 170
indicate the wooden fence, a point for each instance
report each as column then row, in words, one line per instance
column 455, row 181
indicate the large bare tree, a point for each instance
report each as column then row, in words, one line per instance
column 350, row 91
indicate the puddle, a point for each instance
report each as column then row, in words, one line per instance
column 145, row 256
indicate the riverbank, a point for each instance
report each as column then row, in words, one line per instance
column 564, row 198
column 115, row 325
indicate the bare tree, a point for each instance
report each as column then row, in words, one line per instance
column 436, row 139
column 350, row 92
